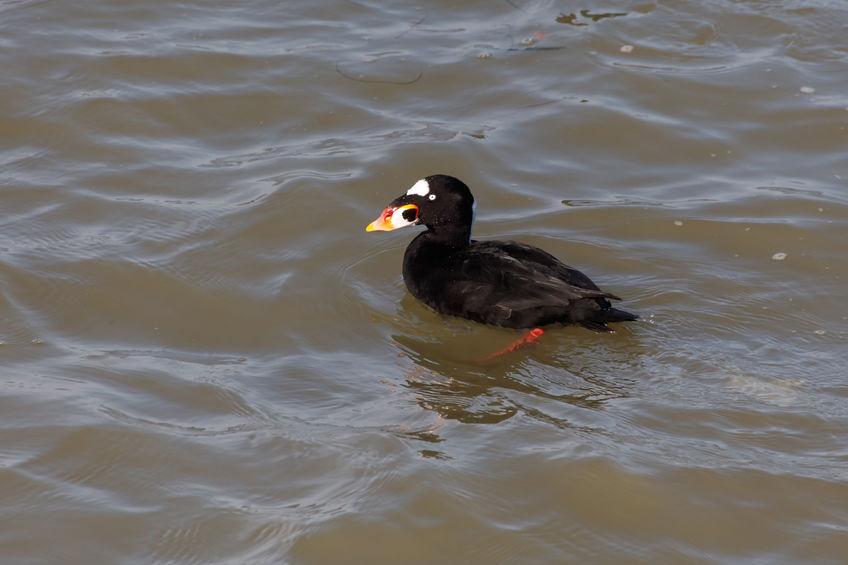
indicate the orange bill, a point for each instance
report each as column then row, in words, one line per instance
column 393, row 218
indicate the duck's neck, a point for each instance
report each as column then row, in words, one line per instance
column 450, row 235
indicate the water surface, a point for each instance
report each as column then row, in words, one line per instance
column 206, row 359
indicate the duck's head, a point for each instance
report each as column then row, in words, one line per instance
column 435, row 201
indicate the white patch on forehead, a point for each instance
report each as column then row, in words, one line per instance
column 421, row 188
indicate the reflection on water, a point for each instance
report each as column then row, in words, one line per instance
column 482, row 391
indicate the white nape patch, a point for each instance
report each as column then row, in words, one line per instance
column 421, row 188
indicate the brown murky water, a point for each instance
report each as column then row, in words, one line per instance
column 205, row 358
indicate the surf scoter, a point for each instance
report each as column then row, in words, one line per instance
column 504, row 283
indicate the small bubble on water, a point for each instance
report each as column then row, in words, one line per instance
column 484, row 56
column 807, row 89
column 678, row 222
column 819, row 332
column 778, row 256
column 626, row 49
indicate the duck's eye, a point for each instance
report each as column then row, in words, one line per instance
column 432, row 197
column 410, row 214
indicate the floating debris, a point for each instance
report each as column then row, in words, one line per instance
column 807, row 90
column 626, row 49
column 678, row 222
column 778, row 256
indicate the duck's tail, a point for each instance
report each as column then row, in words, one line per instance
column 611, row 315
column 616, row 315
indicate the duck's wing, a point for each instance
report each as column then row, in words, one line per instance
column 499, row 282
column 537, row 259
column 512, row 265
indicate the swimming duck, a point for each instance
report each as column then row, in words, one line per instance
column 502, row 283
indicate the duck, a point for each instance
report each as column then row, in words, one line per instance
column 500, row 283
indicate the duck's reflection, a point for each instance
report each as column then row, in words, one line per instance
column 449, row 379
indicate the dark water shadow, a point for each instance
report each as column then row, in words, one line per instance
column 583, row 18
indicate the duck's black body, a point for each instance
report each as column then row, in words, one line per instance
column 504, row 283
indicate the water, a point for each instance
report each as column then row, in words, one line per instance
column 206, row 359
